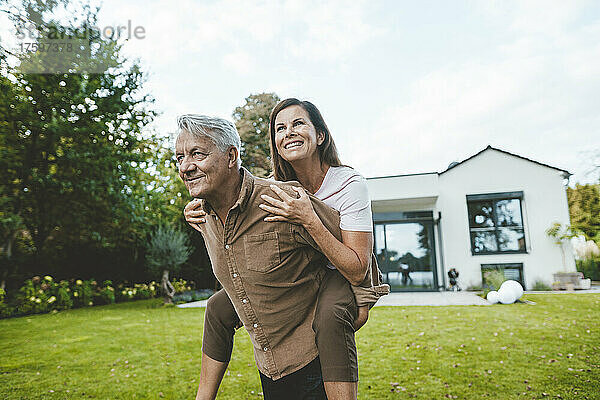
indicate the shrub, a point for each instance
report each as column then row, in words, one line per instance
column 493, row 279
column 83, row 293
column 143, row 291
column 77, row 291
column 125, row 293
column 540, row 286
column 105, row 294
column 5, row 310
column 63, row 297
column 87, row 296
column 39, row 295
column 202, row 294
column 590, row 268
column 33, row 296
column 181, row 286
column 139, row 291
column 182, row 298
column 192, row 295
column 474, row 288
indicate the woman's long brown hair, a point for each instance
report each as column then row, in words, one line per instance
column 328, row 154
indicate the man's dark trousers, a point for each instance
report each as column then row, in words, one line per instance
column 304, row 384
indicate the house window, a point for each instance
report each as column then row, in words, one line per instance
column 405, row 249
column 511, row 271
column 496, row 223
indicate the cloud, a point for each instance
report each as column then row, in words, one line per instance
column 239, row 61
column 324, row 31
column 536, row 95
column 531, row 88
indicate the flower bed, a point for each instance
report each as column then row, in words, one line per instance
column 44, row 294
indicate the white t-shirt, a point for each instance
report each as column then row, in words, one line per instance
column 345, row 190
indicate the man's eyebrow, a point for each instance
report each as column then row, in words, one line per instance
column 195, row 147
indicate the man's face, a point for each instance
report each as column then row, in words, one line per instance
column 202, row 166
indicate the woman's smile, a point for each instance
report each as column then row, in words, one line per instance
column 293, row 144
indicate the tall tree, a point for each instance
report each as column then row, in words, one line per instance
column 584, row 209
column 70, row 146
column 252, row 122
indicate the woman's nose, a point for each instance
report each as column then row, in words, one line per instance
column 289, row 131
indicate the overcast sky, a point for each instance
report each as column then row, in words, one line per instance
column 405, row 87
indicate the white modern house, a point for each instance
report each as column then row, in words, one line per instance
column 490, row 211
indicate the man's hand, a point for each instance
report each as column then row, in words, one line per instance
column 361, row 317
column 194, row 214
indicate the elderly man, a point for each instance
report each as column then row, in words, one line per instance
column 270, row 271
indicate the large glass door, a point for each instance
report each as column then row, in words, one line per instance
column 406, row 255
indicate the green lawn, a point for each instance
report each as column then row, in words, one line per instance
column 142, row 350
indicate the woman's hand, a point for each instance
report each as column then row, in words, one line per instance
column 297, row 211
column 194, row 214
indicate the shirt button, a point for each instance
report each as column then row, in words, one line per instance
column 255, row 325
column 227, row 247
column 245, row 301
column 235, row 275
column 265, row 349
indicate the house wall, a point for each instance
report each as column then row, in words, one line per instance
column 544, row 202
column 403, row 187
column 418, row 192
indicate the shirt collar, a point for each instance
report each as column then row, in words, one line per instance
column 245, row 192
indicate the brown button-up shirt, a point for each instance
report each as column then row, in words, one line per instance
column 271, row 271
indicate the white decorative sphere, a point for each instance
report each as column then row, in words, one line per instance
column 506, row 295
column 515, row 287
column 493, row 297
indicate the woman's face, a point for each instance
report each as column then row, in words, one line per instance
column 295, row 136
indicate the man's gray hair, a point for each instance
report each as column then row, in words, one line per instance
column 222, row 132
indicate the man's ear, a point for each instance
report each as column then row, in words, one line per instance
column 233, row 156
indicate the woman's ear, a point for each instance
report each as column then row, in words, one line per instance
column 320, row 138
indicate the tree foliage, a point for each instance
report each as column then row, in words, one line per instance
column 168, row 249
column 82, row 181
column 252, row 122
column 70, row 143
column 584, row 209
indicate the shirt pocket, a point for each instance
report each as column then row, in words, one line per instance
column 262, row 251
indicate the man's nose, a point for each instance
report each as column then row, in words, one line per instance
column 187, row 166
